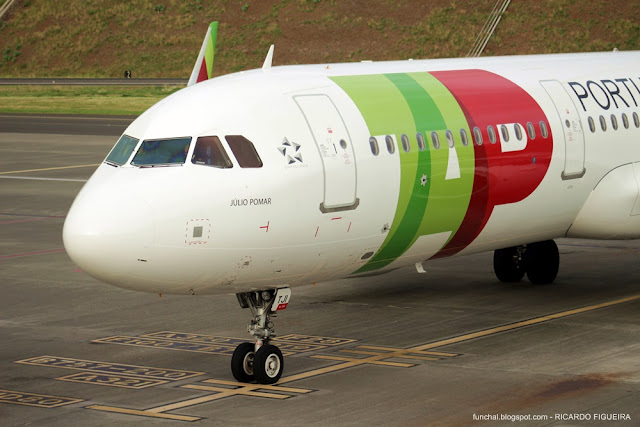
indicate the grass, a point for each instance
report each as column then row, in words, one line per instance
column 80, row 100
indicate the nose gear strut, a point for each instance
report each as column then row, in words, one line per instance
column 261, row 361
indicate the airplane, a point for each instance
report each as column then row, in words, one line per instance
column 259, row 181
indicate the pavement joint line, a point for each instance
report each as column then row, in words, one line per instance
column 49, row 169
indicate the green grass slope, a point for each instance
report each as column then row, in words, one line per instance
column 161, row 38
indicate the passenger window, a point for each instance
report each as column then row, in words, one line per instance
column 614, row 122
column 625, row 121
column 158, row 152
column 421, row 143
column 592, row 125
column 636, row 120
column 464, row 137
column 543, row 130
column 518, row 130
column 391, row 147
column 450, row 138
column 405, row 143
column 492, row 134
column 244, row 150
column 603, row 123
column 477, row 134
column 373, row 143
column 435, row 139
column 505, row 133
column 531, row 130
column 210, row 152
column 122, row 150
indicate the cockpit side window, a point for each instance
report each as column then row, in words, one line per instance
column 245, row 151
column 210, row 152
column 156, row 152
column 122, row 150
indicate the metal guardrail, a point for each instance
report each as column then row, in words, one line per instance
column 5, row 7
column 489, row 27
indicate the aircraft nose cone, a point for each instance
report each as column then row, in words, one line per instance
column 109, row 233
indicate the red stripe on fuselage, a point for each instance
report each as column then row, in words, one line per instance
column 488, row 99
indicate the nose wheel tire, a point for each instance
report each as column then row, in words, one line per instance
column 268, row 364
column 242, row 362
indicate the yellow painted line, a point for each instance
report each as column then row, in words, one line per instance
column 367, row 360
column 143, row 413
column 517, row 325
column 260, row 386
column 49, row 169
column 236, row 391
column 403, row 352
column 427, row 353
column 191, row 402
column 377, row 359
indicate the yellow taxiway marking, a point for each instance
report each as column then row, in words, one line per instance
column 142, row 413
column 261, row 386
column 230, row 392
column 49, row 169
column 375, row 358
column 425, row 353
column 404, row 353
column 368, row 359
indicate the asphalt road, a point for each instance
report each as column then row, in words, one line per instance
column 450, row 347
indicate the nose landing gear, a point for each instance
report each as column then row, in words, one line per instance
column 261, row 361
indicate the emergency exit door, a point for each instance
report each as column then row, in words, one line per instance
column 336, row 151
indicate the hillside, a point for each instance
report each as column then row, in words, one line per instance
column 161, row 38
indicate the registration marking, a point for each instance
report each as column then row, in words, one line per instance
column 34, row 399
column 111, row 368
column 120, row 381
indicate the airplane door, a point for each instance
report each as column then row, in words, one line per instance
column 334, row 145
column 573, row 134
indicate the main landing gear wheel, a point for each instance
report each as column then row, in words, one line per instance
column 261, row 361
column 540, row 261
column 508, row 264
column 543, row 262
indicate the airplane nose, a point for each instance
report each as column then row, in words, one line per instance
column 109, row 232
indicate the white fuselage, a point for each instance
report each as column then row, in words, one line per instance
column 317, row 210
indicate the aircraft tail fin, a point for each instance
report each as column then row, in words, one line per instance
column 203, row 69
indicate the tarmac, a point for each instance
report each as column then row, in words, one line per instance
column 453, row 346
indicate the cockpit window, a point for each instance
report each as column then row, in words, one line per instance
column 210, row 152
column 122, row 150
column 156, row 152
column 244, row 151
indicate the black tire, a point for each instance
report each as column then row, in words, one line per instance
column 242, row 362
column 506, row 265
column 268, row 364
column 542, row 262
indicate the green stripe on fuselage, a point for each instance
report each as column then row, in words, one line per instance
column 386, row 112
column 396, row 104
column 448, row 199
